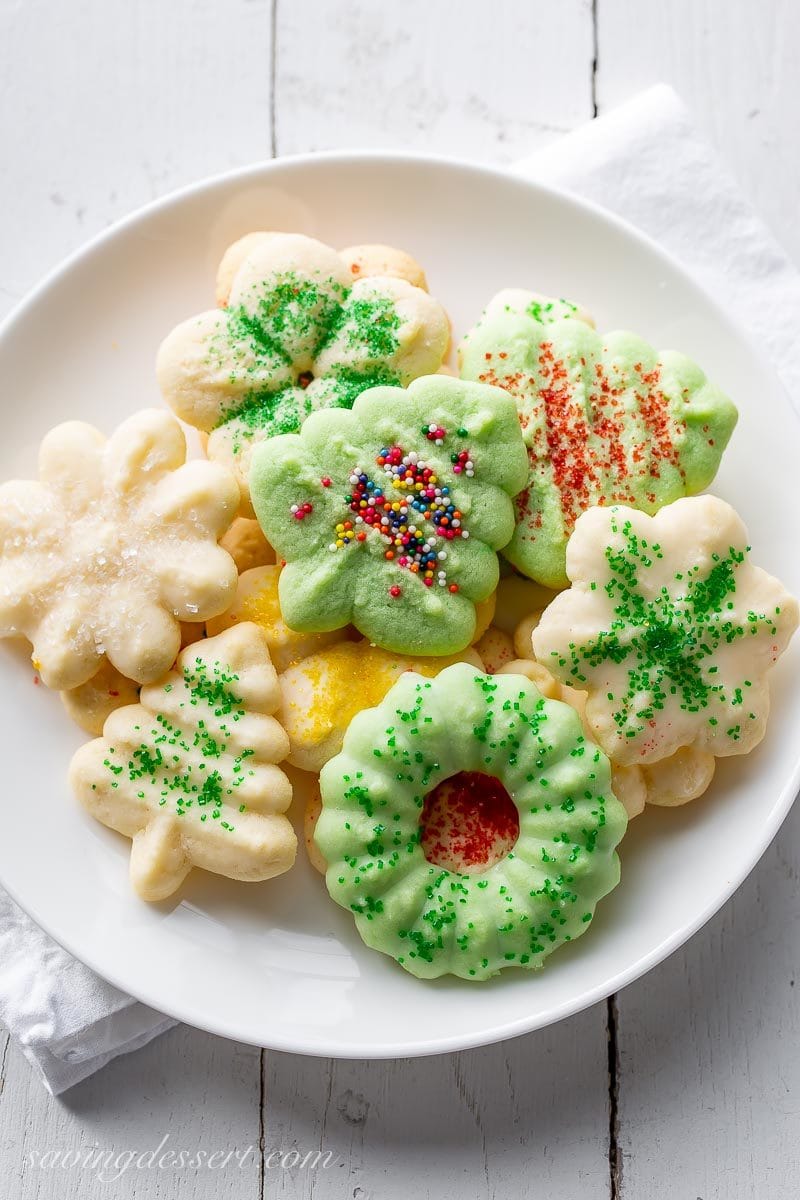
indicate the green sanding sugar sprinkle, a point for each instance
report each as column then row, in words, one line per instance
column 213, row 689
column 291, row 311
column 522, row 907
column 185, row 765
column 285, row 309
column 282, row 410
column 549, row 309
column 667, row 643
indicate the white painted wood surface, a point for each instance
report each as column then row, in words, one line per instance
column 107, row 104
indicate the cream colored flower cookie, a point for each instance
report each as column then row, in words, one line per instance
column 190, row 773
column 322, row 694
column 310, row 817
column 669, row 628
column 257, row 600
column 111, row 548
column 371, row 259
column 299, row 332
column 517, row 598
column 495, row 648
column 362, row 262
column 484, row 615
column 92, row 703
column 247, row 545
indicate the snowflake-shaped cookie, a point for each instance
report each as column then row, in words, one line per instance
column 112, row 547
column 669, row 628
column 189, row 773
column 303, row 329
column 389, row 516
column 606, row 419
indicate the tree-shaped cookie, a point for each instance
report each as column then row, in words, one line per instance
column 606, row 419
column 112, row 547
column 669, row 628
column 190, row 773
column 389, row 516
column 304, row 329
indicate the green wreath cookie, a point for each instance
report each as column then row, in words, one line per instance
column 457, row 727
column 389, row 516
column 606, row 419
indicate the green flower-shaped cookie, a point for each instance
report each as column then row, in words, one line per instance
column 389, row 516
column 606, row 419
column 298, row 334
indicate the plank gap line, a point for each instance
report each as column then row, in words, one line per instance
column 262, row 1140
column 595, row 56
column 273, row 73
column 614, row 1154
column 3, row 1058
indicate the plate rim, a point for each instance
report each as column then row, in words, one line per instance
column 783, row 803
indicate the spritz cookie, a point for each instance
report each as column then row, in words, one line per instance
column 92, row 703
column 190, row 773
column 517, row 871
column 606, row 419
column 257, row 600
column 301, row 332
column 389, row 516
column 374, row 259
column 322, row 693
column 669, row 628
column 112, row 548
column 246, row 544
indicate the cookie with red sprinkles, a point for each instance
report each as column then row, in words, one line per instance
column 607, row 419
column 389, row 516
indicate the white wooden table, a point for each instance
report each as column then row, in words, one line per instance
column 687, row 1085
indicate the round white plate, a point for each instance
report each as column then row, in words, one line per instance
column 278, row 964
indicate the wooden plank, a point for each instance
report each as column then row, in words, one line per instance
column 709, row 1077
column 485, row 82
column 461, row 77
column 200, row 1093
column 106, row 106
column 736, row 68
column 708, row 1085
column 525, row 1118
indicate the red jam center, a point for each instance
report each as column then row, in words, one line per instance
column 468, row 823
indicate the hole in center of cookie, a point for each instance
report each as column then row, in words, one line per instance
column 304, row 379
column 468, row 823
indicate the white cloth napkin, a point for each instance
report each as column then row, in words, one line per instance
column 693, row 208
column 69, row 1022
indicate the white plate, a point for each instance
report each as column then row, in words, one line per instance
column 278, row 964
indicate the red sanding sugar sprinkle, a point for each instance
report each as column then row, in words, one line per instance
column 468, row 821
column 583, row 438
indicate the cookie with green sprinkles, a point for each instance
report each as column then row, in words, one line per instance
column 191, row 773
column 468, row 824
column 606, row 420
column 669, row 628
column 297, row 333
column 389, row 516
